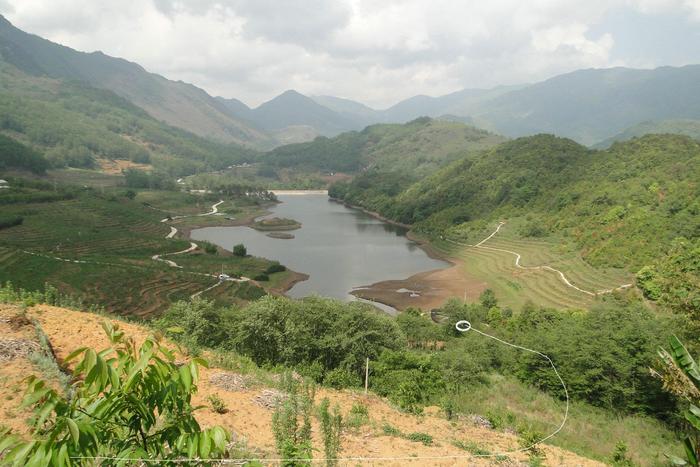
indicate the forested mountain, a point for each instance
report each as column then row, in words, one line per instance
column 586, row 105
column 75, row 124
column 676, row 127
column 415, row 148
column 179, row 104
column 591, row 105
column 623, row 206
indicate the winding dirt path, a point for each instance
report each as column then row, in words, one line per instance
column 518, row 257
column 159, row 257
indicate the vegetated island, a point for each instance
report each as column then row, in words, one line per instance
column 276, row 224
column 281, row 235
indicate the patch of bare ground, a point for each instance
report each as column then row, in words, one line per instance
column 426, row 290
column 115, row 166
column 248, row 418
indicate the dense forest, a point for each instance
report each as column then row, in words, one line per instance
column 14, row 155
column 622, row 206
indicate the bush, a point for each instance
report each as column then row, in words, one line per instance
column 275, row 267
column 11, row 221
column 340, row 378
column 217, row 405
column 111, row 408
column 262, row 277
column 331, row 429
column 358, row 416
column 240, row 250
column 210, row 249
column 420, row 437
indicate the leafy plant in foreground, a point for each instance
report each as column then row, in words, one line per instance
column 682, row 377
column 126, row 403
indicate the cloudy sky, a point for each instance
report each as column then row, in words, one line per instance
column 373, row 51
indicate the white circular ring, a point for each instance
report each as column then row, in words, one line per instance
column 463, row 326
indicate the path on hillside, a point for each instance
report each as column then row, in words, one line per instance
column 562, row 276
column 193, row 246
column 159, row 257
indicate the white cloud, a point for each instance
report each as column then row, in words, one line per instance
column 374, row 52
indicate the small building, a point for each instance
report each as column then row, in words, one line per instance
column 4, row 184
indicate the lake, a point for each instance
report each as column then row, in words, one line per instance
column 338, row 247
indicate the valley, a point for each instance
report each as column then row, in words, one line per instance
column 287, row 283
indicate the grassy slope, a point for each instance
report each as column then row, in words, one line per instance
column 116, row 237
column 418, row 147
column 73, row 123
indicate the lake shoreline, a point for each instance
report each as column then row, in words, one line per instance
column 293, row 277
column 433, row 287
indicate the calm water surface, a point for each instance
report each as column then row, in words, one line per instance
column 339, row 248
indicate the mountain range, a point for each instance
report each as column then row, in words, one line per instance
column 589, row 106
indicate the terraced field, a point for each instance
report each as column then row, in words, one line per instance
column 100, row 247
column 515, row 286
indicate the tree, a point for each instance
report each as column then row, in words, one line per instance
column 240, row 250
column 125, row 403
column 488, row 299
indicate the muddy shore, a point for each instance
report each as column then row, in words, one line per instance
column 426, row 290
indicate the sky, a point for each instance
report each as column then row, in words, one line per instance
column 374, row 51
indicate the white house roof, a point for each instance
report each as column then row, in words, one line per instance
column 3, row 182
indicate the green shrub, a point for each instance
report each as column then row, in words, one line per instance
column 240, row 250
column 262, row 277
column 275, row 267
column 391, row 430
column 420, row 437
column 358, row 416
column 293, row 440
column 340, row 378
column 471, row 447
column 331, row 430
column 217, row 404
column 112, row 407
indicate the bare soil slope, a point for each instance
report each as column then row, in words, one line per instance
column 250, row 420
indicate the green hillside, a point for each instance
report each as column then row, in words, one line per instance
column 417, row 148
column 179, row 104
column 73, row 124
column 689, row 128
column 621, row 206
column 15, row 155
column 99, row 244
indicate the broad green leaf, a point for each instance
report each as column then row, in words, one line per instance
column 34, row 397
column 683, row 359
column 690, row 452
column 75, row 353
column 186, row 378
column 204, row 445
column 218, row 435
column 193, row 445
column 74, row 432
column 20, row 452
